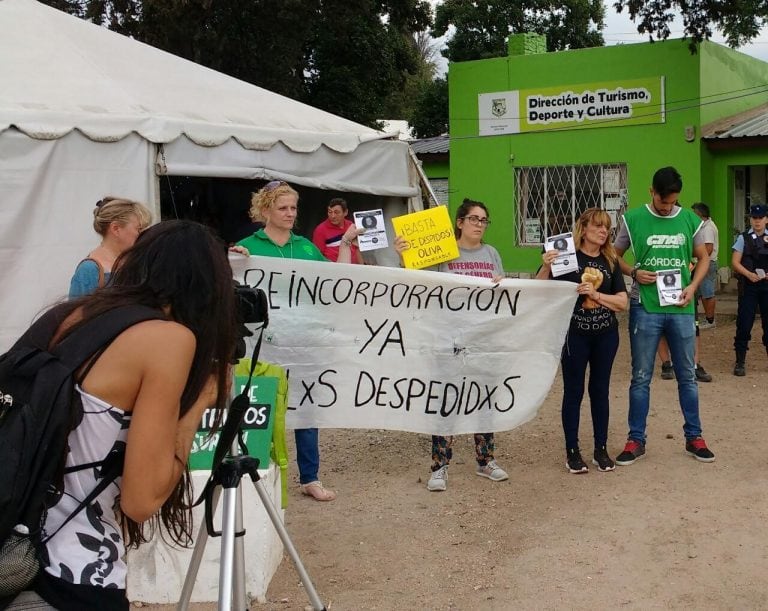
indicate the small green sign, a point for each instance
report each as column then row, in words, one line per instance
column 257, row 425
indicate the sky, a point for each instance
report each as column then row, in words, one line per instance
column 620, row 29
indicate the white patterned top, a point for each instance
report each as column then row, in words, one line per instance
column 89, row 549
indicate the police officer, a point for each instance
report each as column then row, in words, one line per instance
column 749, row 261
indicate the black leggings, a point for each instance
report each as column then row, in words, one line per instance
column 597, row 351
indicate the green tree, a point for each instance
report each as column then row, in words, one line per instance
column 258, row 41
column 402, row 101
column 740, row 21
column 73, row 7
column 359, row 61
column 430, row 114
column 482, row 26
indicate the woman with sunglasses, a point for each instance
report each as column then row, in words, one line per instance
column 472, row 219
column 593, row 337
column 276, row 204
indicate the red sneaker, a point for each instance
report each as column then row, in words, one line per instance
column 697, row 448
column 632, row 451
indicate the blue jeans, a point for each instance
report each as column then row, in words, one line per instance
column 597, row 351
column 307, row 454
column 645, row 330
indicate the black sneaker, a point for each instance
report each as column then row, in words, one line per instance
column 702, row 375
column 633, row 451
column 574, row 462
column 602, row 460
column 739, row 369
column 667, row 371
column 698, row 449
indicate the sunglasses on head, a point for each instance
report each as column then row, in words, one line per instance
column 274, row 184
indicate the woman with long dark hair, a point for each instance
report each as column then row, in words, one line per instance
column 593, row 337
column 472, row 219
column 147, row 391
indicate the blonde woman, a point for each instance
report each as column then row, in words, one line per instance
column 119, row 222
column 276, row 204
column 593, row 337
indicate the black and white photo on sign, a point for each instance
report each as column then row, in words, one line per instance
column 565, row 262
column 375, row 235
column 669, row 284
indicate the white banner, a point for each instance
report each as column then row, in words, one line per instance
column 428, row 352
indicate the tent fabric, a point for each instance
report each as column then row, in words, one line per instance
column 48, row 190
column 61, row 73
column 85, row 112
column 377, row 167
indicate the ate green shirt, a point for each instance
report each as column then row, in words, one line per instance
column 662, row 242
column 297, row 247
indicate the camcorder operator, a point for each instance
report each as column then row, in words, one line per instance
column 144, row 393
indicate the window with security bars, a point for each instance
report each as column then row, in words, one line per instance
column 550, row 198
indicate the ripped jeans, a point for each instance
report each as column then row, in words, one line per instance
column 645, row 330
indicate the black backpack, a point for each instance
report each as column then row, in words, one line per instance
column 38, row 408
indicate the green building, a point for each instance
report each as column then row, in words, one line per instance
column 433, row 155
column 539, row 137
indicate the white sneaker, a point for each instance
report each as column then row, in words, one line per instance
column 438, row 481
column 492, row 471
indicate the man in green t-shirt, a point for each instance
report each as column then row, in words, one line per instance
column 664, row 238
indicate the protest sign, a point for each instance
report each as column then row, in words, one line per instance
column 430, row 236
column 422, row 351
column 669, row 284
column 566, row 261
column 375, row 236
column 257, row 423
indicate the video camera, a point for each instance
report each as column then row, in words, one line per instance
column 252, row 308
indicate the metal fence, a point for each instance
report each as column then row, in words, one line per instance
column 550, row 198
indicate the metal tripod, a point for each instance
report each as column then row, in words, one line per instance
column 227, row 477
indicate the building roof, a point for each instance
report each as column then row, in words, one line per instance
column 436, row 145
column 749, row 124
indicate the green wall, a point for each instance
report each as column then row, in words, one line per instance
column 482, row 167
column 436, row 169
column 731, row 82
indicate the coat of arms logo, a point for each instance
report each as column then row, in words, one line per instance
column 499, row 107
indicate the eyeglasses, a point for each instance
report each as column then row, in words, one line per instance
column 476, row 220
column 272, row 185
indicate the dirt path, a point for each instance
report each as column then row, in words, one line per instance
column 666, row 532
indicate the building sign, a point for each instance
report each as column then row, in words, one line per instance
column 532, row 231
column 613, row 104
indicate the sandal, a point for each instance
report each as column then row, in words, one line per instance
column 317, row 491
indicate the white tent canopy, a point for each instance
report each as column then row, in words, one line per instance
column 107, row 86
column 85, row 112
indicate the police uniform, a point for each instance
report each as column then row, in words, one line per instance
column 754, row 249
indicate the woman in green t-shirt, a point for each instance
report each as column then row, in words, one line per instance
column 276, row 204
